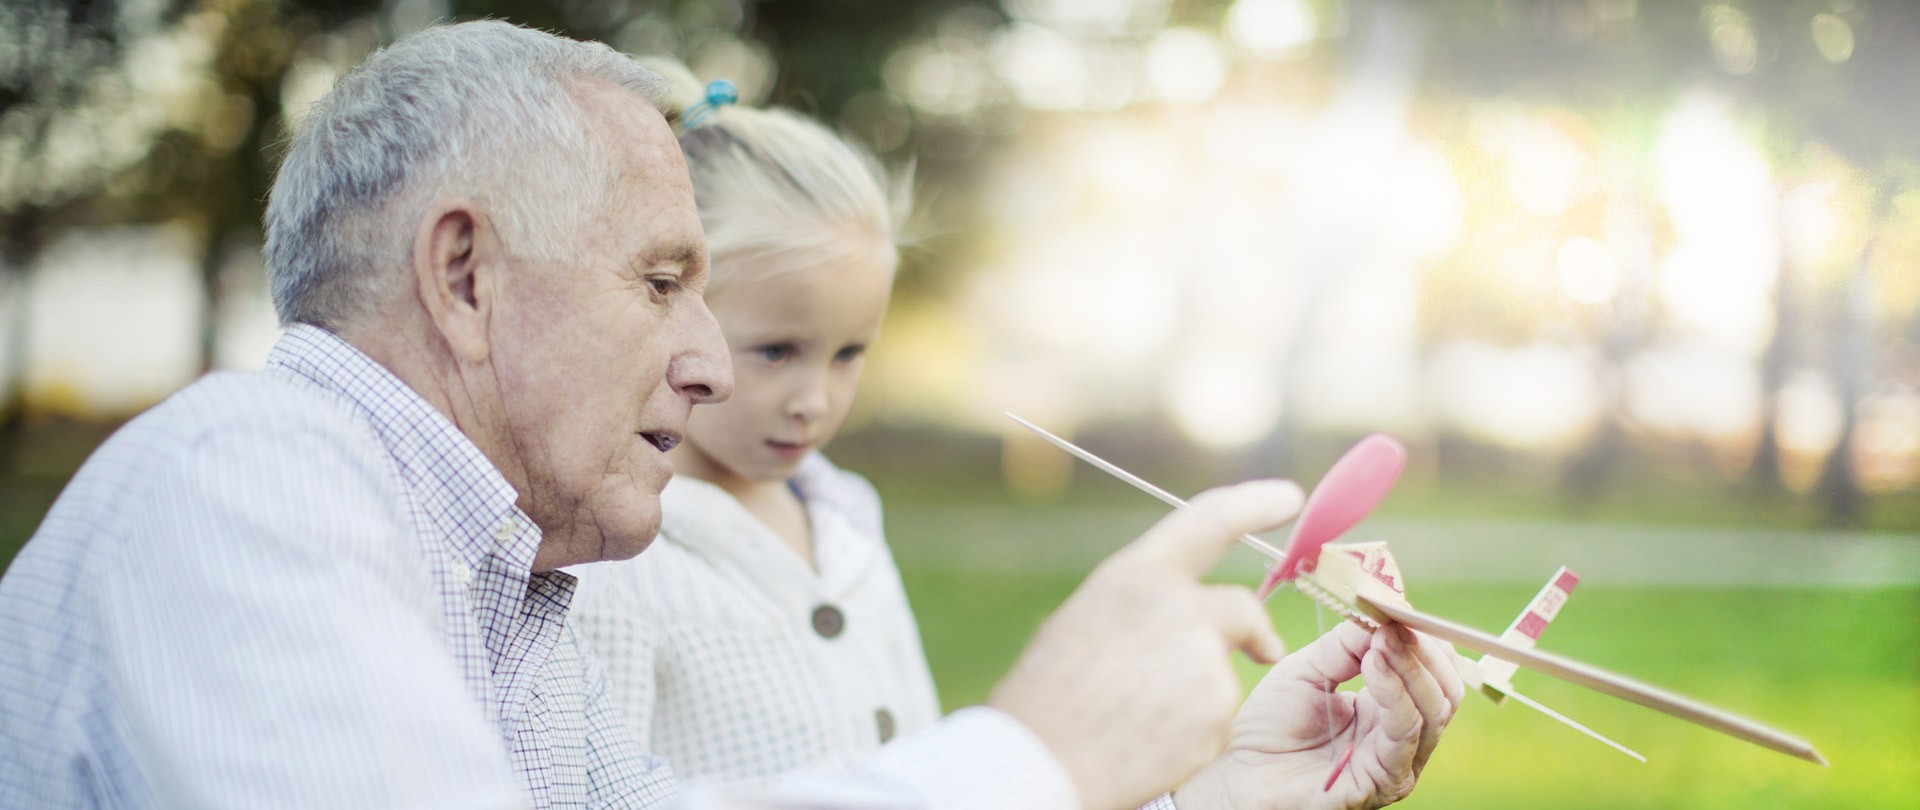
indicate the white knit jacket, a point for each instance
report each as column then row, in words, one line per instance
column 716, row 639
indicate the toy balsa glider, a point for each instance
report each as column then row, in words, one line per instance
column 1362, row 582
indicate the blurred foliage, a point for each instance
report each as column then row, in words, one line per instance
column 1631, row 60
column 114, row 112
column 173, row 111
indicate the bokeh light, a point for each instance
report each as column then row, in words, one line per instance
column 1185, row 66
column 1272, row 27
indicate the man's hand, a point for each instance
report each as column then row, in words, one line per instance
column 1283, row 748
column 1129, row 682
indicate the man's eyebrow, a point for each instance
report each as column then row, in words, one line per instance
column 691, row 260
column 684, row 255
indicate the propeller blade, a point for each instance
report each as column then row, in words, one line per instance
column 1351, row 488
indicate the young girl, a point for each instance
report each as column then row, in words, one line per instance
column 766, row 628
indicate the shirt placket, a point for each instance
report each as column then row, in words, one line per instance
column 532, row 614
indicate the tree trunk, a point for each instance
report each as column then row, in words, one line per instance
column 1592, row 469
column 212, row 291
column 1839, row 489
column 1763, row 476
column 16, row 266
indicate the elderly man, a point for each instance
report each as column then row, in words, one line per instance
column 333, row 583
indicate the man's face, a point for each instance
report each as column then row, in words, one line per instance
column 599, row 359
column 799, row 339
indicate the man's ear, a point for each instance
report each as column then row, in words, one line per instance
column 457, row 261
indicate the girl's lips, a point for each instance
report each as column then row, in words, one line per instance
column 788, row 449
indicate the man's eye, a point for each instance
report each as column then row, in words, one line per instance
column 776, row 352
column 664, row 286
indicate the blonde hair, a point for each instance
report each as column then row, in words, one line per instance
column 779, row 192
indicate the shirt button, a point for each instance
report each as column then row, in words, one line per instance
column 883, row 720
column 827, row 621
column 462, row 573
column 505, row 532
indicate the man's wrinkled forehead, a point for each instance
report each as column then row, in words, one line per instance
column 643, row 159
column 626, row 128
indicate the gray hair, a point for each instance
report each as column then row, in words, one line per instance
column 480, row 109
column 777, row 191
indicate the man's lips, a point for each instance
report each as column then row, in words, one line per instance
column 661, row 440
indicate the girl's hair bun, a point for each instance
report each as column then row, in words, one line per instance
column 778, row 191
column 683, row 89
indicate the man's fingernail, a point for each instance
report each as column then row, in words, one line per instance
column 1406, row 634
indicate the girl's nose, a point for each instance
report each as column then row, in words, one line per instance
column 809, row 402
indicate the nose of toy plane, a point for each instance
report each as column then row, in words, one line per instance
column 1349, row 491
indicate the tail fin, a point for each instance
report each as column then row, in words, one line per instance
column 1497, row 674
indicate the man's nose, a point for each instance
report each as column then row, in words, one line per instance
column 703, row 371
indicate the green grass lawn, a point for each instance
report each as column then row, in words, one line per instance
column 1840, row 668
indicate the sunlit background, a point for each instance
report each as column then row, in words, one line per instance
column 1638, row 283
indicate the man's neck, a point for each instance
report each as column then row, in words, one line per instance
column 423, row 362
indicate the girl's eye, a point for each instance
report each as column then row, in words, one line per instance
column 776, row 352
column 849, row 354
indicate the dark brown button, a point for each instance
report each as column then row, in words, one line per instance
column 827, row 621
column 883, row 719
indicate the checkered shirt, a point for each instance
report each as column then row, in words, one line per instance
column 304, row 587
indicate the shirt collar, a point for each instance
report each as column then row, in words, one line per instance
column 461, row 491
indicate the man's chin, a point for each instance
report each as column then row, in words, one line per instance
column 630, row 537
column 616, row 540
column 628, row 513
column 628, row 549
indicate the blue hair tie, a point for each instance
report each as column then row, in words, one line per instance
column 720, row 93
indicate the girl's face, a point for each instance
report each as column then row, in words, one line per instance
column 798, row 338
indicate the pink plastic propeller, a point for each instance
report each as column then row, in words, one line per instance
column 1356, row 484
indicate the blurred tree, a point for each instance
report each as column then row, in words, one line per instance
column 1825, row 72
column 824, row 53
column 1851, row 93
column 1764, row 474
column 1838, row 76
column 1839, row 484
column 81, row 141
column 212, row 171
column 127, row 113
column 59, row 84
column 1618, row 62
